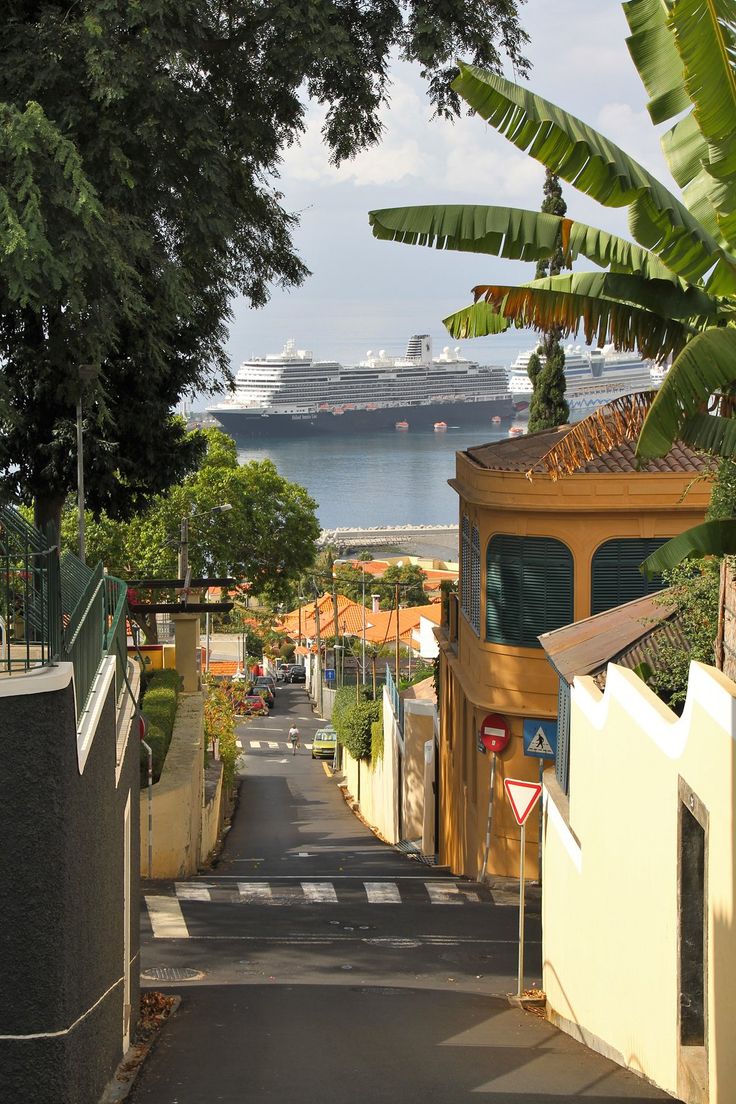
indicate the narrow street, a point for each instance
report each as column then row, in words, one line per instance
column 332, row 968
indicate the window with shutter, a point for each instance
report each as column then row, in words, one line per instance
column 562, row 758
column 475, row 580
column 529, row 589
column 465, row 566
column 615, row 574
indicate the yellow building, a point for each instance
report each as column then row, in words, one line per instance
column 536, row 554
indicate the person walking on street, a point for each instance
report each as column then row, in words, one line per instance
column 294, row 738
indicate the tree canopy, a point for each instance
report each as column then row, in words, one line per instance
column 267, row 538
column 140, row 145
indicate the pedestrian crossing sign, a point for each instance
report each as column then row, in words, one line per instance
column 540, row 738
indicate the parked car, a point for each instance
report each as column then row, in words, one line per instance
column 266, row 680
column 298, row 674
column 255, row 706
column 324, row 743
column 266, row 693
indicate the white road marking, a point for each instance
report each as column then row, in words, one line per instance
column 254, row 891
column 443, row 893
column 320, row 892
column 255, row 743
column 166, row 917
column 239, row 745
column 189, row 891
column 272, row 743
column 382, row 893
column 308, row 747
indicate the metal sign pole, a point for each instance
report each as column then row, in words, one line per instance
column 520, row 982
column 541, row 821
column 489, row 824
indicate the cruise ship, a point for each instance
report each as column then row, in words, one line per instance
column 291, row 394
column 594, row 377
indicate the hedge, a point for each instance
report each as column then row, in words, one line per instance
column 159, row 709
column 377, row 736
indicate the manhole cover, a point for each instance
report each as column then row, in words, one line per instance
column 171, row 973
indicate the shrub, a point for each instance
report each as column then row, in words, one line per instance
column 377, row 735
column 354, row 730
column 219, row 724
column 159, row 709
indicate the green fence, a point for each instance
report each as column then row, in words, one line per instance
column 55, row 608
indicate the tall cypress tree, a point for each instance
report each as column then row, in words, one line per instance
column 548, row 406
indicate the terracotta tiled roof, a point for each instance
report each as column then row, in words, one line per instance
column 223, row 667
column 383, row 624
column 349, row 617
column 522, row 454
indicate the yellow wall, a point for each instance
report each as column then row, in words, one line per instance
column 610, row 897
column 477, row 678
column 177, row 797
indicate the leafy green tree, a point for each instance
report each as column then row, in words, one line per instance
column 670, row 292
column 410, row 579
column 140, row 145
column 349, row 581
column 267, row 538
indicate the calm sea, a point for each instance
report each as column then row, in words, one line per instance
column 379, row 478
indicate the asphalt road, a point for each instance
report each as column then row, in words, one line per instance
column 332, row 969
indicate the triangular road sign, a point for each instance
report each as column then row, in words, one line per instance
column 541, row 744
column 523, row 796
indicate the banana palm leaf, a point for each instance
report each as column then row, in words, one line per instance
column 710, row 433
column 477, row 320
column 706, row 365
column 597, row 167
column 712, row 538
column 515, row 234
column 706, row 41
column 601, row 319
column 653, row 51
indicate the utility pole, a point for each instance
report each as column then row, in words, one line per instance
column 363, row 654
column 396, row 603
column 80, row 478
column 319, row 656
column 184, row 549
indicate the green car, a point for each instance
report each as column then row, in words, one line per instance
column 324, row 743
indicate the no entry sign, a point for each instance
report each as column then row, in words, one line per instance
column 523, row 796
column 494, row 732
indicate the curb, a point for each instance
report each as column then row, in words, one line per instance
column 125, row 1075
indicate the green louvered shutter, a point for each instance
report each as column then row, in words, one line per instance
column 615, row 575
column 529, row 589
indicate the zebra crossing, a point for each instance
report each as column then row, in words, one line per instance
column 167, row 920
column 273, row 745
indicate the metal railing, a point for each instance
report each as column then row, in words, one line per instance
column 55, row 608
column 30, row 600
column 397, row 704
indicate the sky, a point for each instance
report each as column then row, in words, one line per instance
column 368, row 294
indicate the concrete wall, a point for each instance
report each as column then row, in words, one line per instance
column 613, row 870
column 212, row 811
column 419, row 722
column 375, row 785
column 177, row 797
column 69, row 947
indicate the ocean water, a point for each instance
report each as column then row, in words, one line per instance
column 378, row 478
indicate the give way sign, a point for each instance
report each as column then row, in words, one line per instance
column 523, row 796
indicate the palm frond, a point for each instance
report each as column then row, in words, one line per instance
column 706, row 365
column 513, row 233
column 653, row 51
column 705, row 37
column 712, row 538
column 602, row 320
column 597, row 167
column 710, row 433
column 477, row 320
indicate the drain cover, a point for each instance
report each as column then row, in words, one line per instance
column 171, row 973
